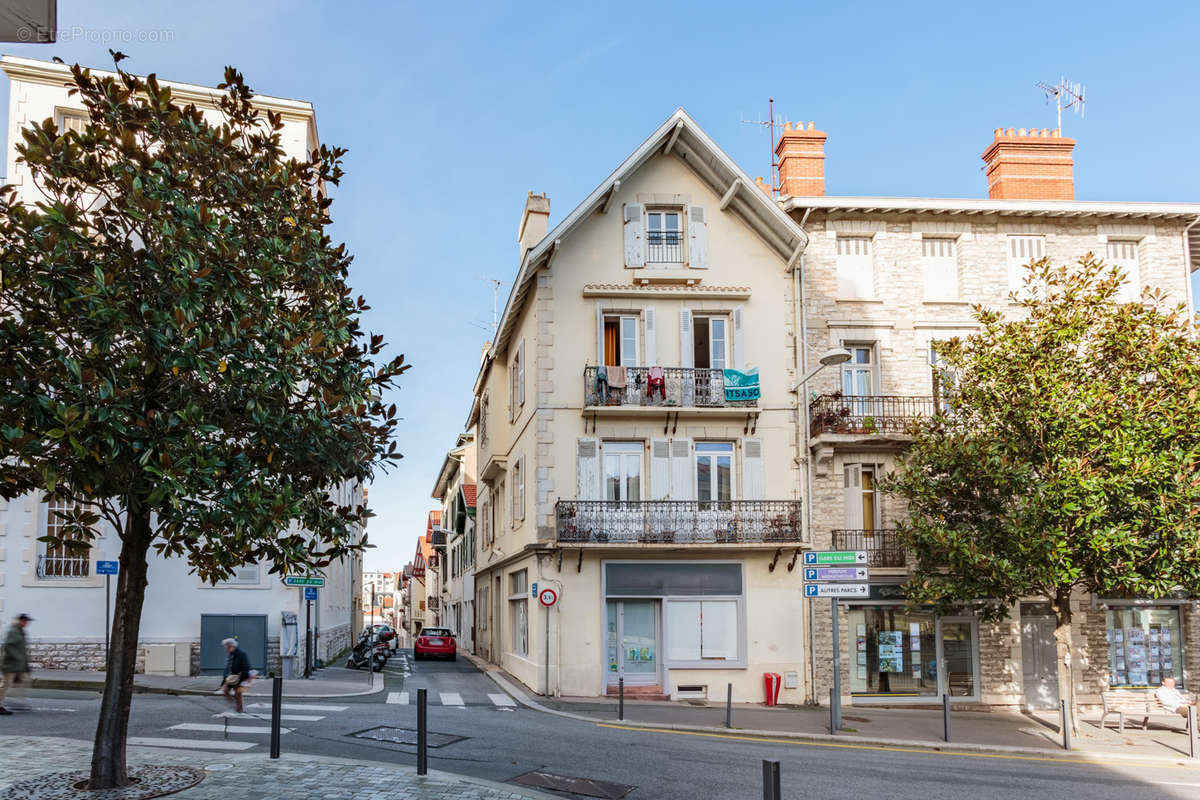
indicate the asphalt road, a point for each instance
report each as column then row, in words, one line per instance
column 500, row 741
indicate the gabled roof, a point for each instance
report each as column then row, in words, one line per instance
column 682, row 136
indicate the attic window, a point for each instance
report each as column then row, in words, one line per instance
column 664, row 237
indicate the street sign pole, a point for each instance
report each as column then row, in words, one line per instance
column 308, row 639
column 836, row 574
column 837, row 668
column 107, row 615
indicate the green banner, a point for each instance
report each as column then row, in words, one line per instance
column 741, row 386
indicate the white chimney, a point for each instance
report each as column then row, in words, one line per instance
column 535, row 222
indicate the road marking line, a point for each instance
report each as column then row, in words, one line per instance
column 1172, row 783
column 398, row 698
column 451, row 699
column 892, row 749
column 189, row 744
column 284, row 717
column 502, row 700
column 299, row 707
column 205, row 726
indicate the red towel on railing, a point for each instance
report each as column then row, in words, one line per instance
column 656, row 378
column 617, row 377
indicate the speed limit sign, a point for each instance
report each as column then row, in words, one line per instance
column 547, row 597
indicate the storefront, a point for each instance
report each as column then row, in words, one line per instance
column 1145, row 642
column 900, row 655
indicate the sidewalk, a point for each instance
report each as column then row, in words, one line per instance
column 326, row 682
column 970, row 731
column 251, row 777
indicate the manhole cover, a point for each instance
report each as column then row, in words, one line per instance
column 385, row 733
column 587, row 787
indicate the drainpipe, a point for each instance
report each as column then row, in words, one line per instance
column 1187, row 271
column 803, row 454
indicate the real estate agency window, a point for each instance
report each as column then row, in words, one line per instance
column 714, row 473
column 623, row 471
column 1123, row 253
column 1022, row 250
column 518, row 603
column 855, row 268
column 1145, row 645
column 939, row 259
column 58, row 560
column 621, row 340
column 710, row 341
column 664, row 236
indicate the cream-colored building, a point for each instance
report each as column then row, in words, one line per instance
column 621, row 465
column 455, row 489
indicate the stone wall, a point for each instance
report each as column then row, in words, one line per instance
column 72, row 655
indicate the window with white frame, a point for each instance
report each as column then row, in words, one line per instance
column 484, row 410
column 245, row 575
column 621, row 340
column 518, row 490
column 1123, row 253
column 939, row 258
column 71, row 121
column 664, row 236
column 710, row 341
column 861, row 498
column 518, row 604
column 943, row 380
column 623, row 471
column 714, row 473
column 58, row 560
column 860, row 373
column 516, row 382
column 855, row 268
column 482, row 605
column 1022, row 249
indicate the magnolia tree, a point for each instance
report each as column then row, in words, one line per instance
column 1068, row 459
column 181, row 358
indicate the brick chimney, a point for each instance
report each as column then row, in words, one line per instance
column 535, row 222
column 801, row 155
column 1030, row 165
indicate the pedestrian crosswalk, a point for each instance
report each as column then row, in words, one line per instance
column 236, row 731
column 455, row 700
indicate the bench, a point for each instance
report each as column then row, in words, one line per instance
column 1136, row 703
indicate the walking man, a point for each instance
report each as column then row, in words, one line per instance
column 237, row 673
column 14, row 664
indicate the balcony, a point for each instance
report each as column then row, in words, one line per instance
column 63, row 566
column 681, row 387
column 882, row 546
column 664, row 247
column 678, row 522
column 867, row 414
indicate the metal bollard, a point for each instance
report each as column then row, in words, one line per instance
column 276, row 710
column 729, row 705
column 946, row 717
column 422, row 733
column 1192, row 731
column 621, row 699
column 771, row 785
column 832, row 712
column 1066, row 724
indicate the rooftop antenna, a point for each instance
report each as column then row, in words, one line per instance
column 769, row 123
column 1066, row 94
column 495, row 303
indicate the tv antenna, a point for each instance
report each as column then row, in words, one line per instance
column 769, row 124
column 495, row 301
column 1066, row 94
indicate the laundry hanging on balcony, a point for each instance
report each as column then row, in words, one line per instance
column 617, row 377
column 741, row 386
column 602, row 383
column 656, row 380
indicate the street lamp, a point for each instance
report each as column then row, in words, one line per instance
column 830, row 358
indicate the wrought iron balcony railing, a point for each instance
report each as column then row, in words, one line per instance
column 62, row 566
column 685, row 387
column 838, row 413
column 678, row 521
column 882, row 546
column 664, row 247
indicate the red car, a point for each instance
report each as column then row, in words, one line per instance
column 436, row 643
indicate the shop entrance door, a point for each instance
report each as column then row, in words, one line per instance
column 1039, row 656
column 958, row 657
column 632, row 642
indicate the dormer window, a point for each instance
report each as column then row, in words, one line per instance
column 664, row 237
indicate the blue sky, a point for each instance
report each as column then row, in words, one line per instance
column 452, row 113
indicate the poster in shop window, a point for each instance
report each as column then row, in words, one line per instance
column 891, row 651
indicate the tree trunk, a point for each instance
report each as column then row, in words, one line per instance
column 1064, row 653
column 108, row 750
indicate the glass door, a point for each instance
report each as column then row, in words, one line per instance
column 958, row 657
column 632, row 642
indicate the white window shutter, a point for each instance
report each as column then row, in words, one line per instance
column 853, row 493
column 521, row 489
column 635, row 236
column 660, row 469
column 512, row 392
column 753, row 472
column 681, row 469
column 698, row 238
column 588, row 469
column 521, row 373
column 650, row 337
column 686, row 348
column 739, row 337
column 599, row 335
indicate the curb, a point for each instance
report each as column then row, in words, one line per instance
column 945, row 748
column 377, row 686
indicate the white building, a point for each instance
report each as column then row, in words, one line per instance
column 184, row 619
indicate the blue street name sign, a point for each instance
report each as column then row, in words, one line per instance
column 847, row 557
column 836, row 573
column 301, row 580
column 310, row 593
column 107, row 567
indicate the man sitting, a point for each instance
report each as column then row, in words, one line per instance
column 1172, row 699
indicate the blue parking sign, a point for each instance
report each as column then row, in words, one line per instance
column 310, row 593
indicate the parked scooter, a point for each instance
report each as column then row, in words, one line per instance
column 370, row 653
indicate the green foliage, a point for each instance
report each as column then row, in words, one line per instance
column 1070, row 456
column 177, row 337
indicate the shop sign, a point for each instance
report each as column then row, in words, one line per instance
column 740, row 386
